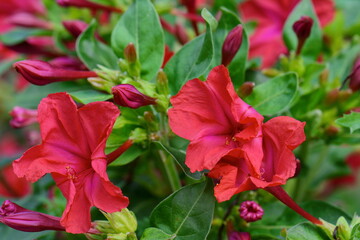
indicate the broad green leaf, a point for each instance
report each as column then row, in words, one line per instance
column 128, row 156
column 187, row 213
column 192, row 60
column 19, row 35
column 351, row 121
column 311, row 77
column 355, row 232
column 88, row 96
column 155, row 234
column 141, row 26
column 275, row 95
column 313, row 44
column 228, row 21
column 179, row 157
column 306, row 231
column 92, row 52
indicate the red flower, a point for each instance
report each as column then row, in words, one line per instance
column 72, row 150
column 215, row 120
column 271, row 15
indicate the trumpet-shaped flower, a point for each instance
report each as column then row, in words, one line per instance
column 72, row 150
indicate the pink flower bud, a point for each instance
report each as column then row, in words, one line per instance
column 26, row 220
column 68, row 63
column 302, row 29
column 29, row 20
column 239, row 236
column 87, row 4
column 75, row 27
column 22, row 117
column 231, row 45
column 41, row 73
column 130, row 53
column 181, row 34
column 354, row 77
column 250, row 211
column 127, row 95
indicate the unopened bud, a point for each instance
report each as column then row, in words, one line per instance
column 246, row 89
column 239, row 236
column 354, row 77
column 167, row 55
column 149, row 116
column 250, row 211
column 123, row 221
column 231, row 45
column 127, row 95
column 324, row 76
column 28, row 20
column 162, row 83
column 41, row 73
column 302, row 29
column 67, row 62
column 130, row 53
column 181, row 34
column 75, row 27
column 22, row 117
column 332, row 96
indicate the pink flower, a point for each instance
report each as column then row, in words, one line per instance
column 41, row 73
column 266, row 42
column 127, row 95
column 22, row 117
column 215, row 120
column 72, row 150
column 250, row 211
column 29, row 20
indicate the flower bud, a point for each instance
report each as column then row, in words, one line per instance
column 250, row 211
column 123, row 221
column 127, row 95
column 68, row 63
column 28, row 20
column 26, row 220
column 231, row 45
column 41, row 73
column 246, row 89
column 22, row 117
column 87, row 4
column 354, row 77
column 181, row 34
column 302, row 29
column 167, row 55
column 332, row 96
column 239, row 236
column 75, row 27
column 130, row 53
column 162, row 84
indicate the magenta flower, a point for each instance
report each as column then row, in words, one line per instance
column 250, row 211
column 266, row 42
column 41, row 73
column 239, row 236
column 231, row 45
column 26, row 220
column 29, row 20
column 127, row 95
column 22, row 117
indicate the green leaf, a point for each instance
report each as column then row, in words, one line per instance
column 179, row 157
column 140, row 25
column 275, row 95
column 128, row 156
column 306, row 231
column 187, row 213
column 88, row 96
column 355, row 232
column 190, row 62
column 19, row 35
column 92, row 52
column 313, row 44
column 351, row 121
column 228, row 21
column 155, row 234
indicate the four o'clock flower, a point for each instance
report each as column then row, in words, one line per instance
column 127, row 95
column 302, row 29
column 41, row 73
column 231, row 45
column 72, row 150
column 250, row 211
column 22, row 117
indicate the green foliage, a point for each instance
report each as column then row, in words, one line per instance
column 133, row 27
column 88, row 96
column 351, row 121
column 306, row 231
column 19, row 35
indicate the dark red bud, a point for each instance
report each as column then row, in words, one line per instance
column 239, row 236
column 231, row 45
column 331, row 130
column 41, row 73
column 332, row 96
column 22, row 117
column 68, row 63
column 23, row 19
column 130, row 53
column 87, row 4
column 127, row 95
column 302, row 29
column 246, row 89
column 167, row 55
column 181, row 34
column 250, row 211
column 75, row 27
column 354, row 77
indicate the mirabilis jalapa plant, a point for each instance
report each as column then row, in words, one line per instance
column 179, row 120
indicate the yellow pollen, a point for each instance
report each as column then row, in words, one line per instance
column 70, row 173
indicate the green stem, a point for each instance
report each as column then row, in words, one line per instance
column 305, row 184
column 171, row 171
